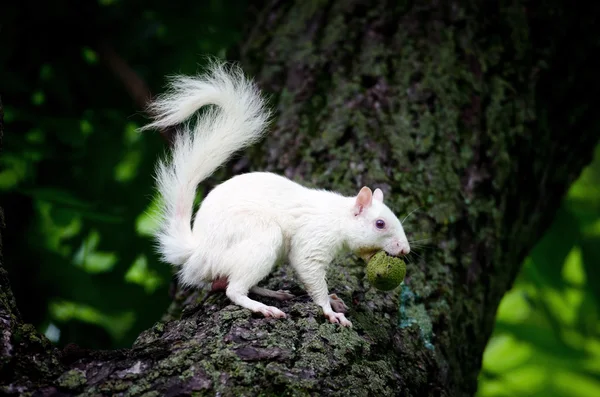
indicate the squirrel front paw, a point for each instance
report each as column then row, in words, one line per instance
column 271, row 311
column 338, row 318
column 337, row 304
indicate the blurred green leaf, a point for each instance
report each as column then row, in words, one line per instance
column 14, row 170
column 571, row 383
column 38, row 98
column 8, row 179
column 117, row 325
column 573, row 268
column 91, row 259
column 514, row 307
column 148, row 221
column 86, row 127
column 527, row 380
column 89, row 55
column 139, row 274
column 55, row 232
column 131, row 134
column 505, row 352
column 127, row 169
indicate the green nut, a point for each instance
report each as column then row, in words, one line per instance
column 385, row 272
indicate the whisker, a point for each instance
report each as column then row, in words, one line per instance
column 411, row 213
column 417, row 241
column 419, row 248
column 421, row 245
column 418, row 256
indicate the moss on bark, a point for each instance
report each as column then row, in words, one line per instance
column 442, row 106
column 446, row 108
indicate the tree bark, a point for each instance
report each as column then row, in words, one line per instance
column 476, row 114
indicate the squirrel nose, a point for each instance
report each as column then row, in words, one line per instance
column 404, row 248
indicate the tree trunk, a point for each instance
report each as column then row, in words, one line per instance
column 467, row 113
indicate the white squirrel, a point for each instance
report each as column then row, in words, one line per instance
column 253, row 221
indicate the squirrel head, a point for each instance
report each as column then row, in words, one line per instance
column 375, row 227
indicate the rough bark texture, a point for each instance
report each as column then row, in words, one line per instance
column 475, row 114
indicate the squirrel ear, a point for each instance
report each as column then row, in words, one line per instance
column 363, row 200
column 378, row 195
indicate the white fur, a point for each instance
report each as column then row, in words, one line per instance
column 253, row 221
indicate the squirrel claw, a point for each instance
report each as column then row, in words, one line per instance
column 338, row 318
column 337, row 304
column 270, row 311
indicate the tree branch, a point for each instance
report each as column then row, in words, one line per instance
column 418, row 99
column 133, row 83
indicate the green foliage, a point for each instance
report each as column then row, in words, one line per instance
column 76, row 178
column 546, row 341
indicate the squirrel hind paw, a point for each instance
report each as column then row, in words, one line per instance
column 337, row 304
column 281, row 295
column 271, row 311
column 284, row 295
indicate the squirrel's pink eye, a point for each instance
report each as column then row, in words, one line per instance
column 380, row 224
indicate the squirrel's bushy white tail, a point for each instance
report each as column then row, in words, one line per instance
column 238, row 120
